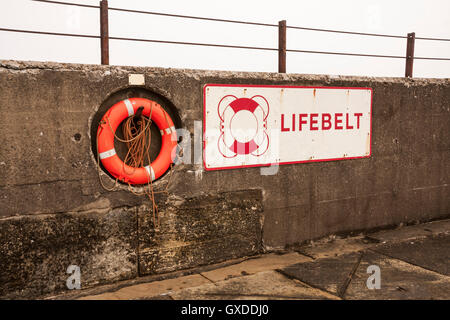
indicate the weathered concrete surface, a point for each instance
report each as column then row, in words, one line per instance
column 422, row 230
column 152, row 289
column 399, row 280
column 333, row 246
column 166, row 288
column 264, row 285
column 346, row 277
column 330, row 274
column 37, row 250
column 201, row 230
column 338, row 271
column 47, row 163
column 432, row 254
column 251, row 266
column 115, row 244
column 411, row 268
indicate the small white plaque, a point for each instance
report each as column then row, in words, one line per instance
column 136, row 79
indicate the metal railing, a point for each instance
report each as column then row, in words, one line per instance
column 282, row 27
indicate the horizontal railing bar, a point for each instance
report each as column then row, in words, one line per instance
column 270, row 49
column 433, row 39
column 52, row 33
column 215, row 45
column 164, row 14
column 69, row 4
column 348, row 32
column 194, row 43
column 241, row 22
column 194, row 17
column 346, row 54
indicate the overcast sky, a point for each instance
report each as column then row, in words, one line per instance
column 429, row 18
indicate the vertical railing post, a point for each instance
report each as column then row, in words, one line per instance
column 410, row 54
column 282, row 46
column 104, row 35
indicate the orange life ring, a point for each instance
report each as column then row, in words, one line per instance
column 105, row 141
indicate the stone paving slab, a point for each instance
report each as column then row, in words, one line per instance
column 399, row 280
column 330, row 274
column 36, row 250
column 151, row 289
column 76, row 294
column 328, row 248
column 333, row 268
column 266, row 262
column 429, row 253
column 263, row 285
column 412, row 232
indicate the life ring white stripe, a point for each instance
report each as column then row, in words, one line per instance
column 129, row 107
column 168, row 130
column 150, row 172
column 107, row 154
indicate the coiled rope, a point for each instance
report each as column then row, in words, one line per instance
column 137, row 136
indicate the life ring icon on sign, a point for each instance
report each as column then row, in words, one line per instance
column 243, row 126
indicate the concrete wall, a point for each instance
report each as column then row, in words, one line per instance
column 54, row 212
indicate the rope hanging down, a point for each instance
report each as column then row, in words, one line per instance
column 137, row 136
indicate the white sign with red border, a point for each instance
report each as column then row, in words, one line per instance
column 261, row 125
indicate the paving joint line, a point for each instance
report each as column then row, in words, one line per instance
column 207, row 278
column 341, row 292
column 305, row 254
column 306, row 283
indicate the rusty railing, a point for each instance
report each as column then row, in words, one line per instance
column 282, row 27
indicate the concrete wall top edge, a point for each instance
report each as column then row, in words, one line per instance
column 19, row 66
